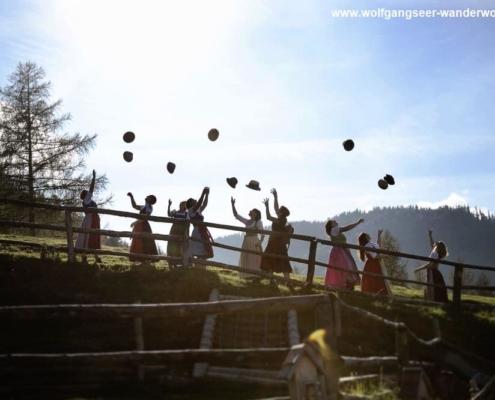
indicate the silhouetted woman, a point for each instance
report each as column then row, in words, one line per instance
column 433, row 274
column 277, row 244
column 175, row 249
column 341, row 257
column 143, row 245
column 251, row 240
column 90, row 221
column 371, row 284
column 195, row 209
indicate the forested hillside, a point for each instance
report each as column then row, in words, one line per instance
column 468, row 235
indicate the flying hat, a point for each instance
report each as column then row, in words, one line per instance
column 129, row 137
column 255, row 185
column 170, row 167
column 348, row 144
column 389, row 179
column 128, row 156
column 383, row 184
column 213, row 134
column 232, row 182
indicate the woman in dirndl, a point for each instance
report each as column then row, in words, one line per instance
column 277, row 244
column 200, row 250
column 341, row 257
column 90, row 221
column 141, row 245
column 433, row 275
column 373, row 265
column 175, row 249
column 250, row 241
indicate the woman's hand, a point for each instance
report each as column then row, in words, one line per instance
column 274, row 192
column 360, row 220
column 169, row 202
column 232, row 200
column 206, row 190
column 94, row 173
column 430, row 231
column 266, row 201
column 129, row 194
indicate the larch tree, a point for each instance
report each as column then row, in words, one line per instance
column 38, row 160
column 396, row 267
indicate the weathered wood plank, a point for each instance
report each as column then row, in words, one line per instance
column 164, row 309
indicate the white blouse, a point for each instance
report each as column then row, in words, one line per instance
column 248, row 223
column 148, row 208
column 372, row 246
column 88, row 198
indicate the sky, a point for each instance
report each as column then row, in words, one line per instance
column 285, row 83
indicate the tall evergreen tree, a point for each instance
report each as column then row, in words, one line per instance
column 396, row 267
column 38, row 161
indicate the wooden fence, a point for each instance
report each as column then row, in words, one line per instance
column 311, row 262
column 15, row 367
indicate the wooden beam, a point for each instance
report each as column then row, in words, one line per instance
column 271, row 304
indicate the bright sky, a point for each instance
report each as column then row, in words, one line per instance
column 285, row 83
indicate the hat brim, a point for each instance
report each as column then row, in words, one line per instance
column 253, row 188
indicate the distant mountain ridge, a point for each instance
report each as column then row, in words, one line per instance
column 469, row 236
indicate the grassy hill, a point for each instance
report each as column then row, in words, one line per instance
column 26, row 279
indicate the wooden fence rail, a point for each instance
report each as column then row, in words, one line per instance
column 310, row 262
column 327, row 311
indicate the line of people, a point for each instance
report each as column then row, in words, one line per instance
column 345, row 277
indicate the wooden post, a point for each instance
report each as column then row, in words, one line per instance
column 70, row 241
column 311, row 261
column 457, row 285
column 402, row 345
column 207, row 337
column 138, row 331
column 185, row 246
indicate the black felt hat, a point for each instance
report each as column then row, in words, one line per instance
column 213, row 134
column 382, row 184
column 255, row 185
column 170, row 167
column 389, row 179
column 128, row 156
column 129, row 137
column 348, row 144
column 232, row 182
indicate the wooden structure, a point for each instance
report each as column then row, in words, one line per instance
column 303, row 370
column 414, row 384
column 241, row 335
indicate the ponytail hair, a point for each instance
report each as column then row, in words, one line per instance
column 442, row 250
column 362, row 241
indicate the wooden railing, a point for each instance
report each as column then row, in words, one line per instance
column 311, row 262
column 328, row 310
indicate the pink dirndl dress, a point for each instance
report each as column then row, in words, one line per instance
column 341, row 257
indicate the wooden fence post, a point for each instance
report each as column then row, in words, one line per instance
column 70, row 241
column 138, row 332
column 457, row 285
column 311, row 261
column 200, row 369
column 185, row 246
